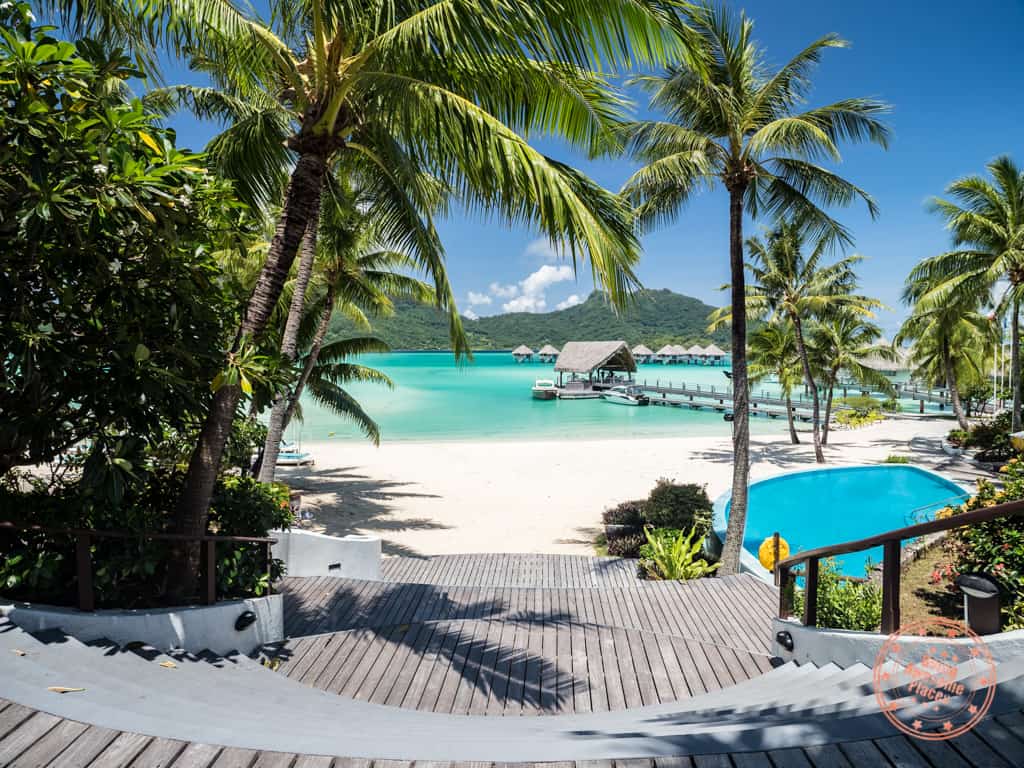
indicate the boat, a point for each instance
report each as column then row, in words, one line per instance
column 544, row 389
column 626, row 396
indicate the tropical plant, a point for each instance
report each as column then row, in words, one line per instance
column 844, row 603
column 679, row 506
column 399, row 95
column 772, row 352
column 112, row 310
column 985, row 217
column 786, row 283
column 733, row 122
column 951, row 340
column 675, row 555
column 845, row 341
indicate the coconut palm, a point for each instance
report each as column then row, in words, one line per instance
column 986, row 219
column 386, row 91
column 787, row 283
column 947, row 338
column 846, row 341
column 772, row 352
column 734, row 122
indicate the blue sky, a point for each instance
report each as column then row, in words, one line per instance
column 952, row 73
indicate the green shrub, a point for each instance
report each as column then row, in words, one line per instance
column 675, row 555
column 844, row 604
column 993, row 434
column 891, row 405
column 958, row 437
column 626, row 546
column 854, row 419
column 894, row 459
column 629, row 513
column 863, row 404
column 679, row 506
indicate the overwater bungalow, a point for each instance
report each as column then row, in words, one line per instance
column 642, row 354
column 548, row 353
column 666, row 354
column 695, row 354
column 587, row 368
column 522, row 353
column 678, row 353
column 714, row 355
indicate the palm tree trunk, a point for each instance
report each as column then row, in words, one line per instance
column 193, row 505
column 819, row 456
column 733, row 544
column 792, row 424
column 312, row 357
column 1015, row 365
column 289, row 347
column 954, row 391
column 828, row 414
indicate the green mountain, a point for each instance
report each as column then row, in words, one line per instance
column 656, row 318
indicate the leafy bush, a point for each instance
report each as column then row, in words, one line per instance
column 680, row 506
column 629, row 513
column 626, row 546
column 895, row 459
column 991, row 435
column 862, row 404
column 675, row 555
column 958, row 437
column 844, row 604
column 855, row 419
column 891, row 405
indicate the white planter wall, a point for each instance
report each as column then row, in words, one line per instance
column 315, row 554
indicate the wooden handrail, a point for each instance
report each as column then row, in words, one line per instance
column 891, row 541
column 83, row 554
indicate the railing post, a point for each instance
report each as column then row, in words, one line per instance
column 891, row 587
column 269, row 562
column 811, row 592
column 83, row 572
column 209, row 561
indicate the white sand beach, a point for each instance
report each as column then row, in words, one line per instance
column 521, row 496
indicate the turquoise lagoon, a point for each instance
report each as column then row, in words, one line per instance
column 489, row 399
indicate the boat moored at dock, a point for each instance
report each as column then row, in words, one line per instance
column 629, row 395
column 544, row 389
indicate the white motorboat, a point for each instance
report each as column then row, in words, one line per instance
column 631, row 395
column 544, row 389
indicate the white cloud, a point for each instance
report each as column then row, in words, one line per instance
column 504, row 291
column 478, row 298
column 469, row 314
column 572, row 301
column 533, row 287
column 542, row 250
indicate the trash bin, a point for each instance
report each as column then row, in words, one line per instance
column 981, row 602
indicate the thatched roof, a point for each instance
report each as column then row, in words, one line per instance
column 901, row 363
column 547, row 349
column 696, row 349
column 587, row 356
column 714, row 351
column 678, row 349
column 640, row 349
column 522, row 349
column 666, row 351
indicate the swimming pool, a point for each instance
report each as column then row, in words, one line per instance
column 829, row 506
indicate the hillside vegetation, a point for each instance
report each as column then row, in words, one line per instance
column 657, row 318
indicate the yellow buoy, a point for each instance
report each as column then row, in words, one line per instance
column 766, row 552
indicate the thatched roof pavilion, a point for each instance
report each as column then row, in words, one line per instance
column 696, row 351
column 641, row 351
column 521, row 353
column 547, row 353
column 900, row 363
column 595, row 356
column 666, row 351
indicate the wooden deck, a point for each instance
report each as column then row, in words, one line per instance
column 29, row 738
column 505, row 570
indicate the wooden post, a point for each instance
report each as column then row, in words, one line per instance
column 269, row 560
column 891, row 587
column 775, row 551
column 209, row 558
column 811, row 593
column 921, row 410
column 83, row 571
column 782, row 579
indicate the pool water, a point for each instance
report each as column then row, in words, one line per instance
column 831, row 506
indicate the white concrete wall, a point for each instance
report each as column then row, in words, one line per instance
column 315, row 554
column 844, row 647
column 192, row 628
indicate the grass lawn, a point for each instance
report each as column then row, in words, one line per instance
column 919, row 598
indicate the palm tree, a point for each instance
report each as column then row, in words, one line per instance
column 986, row 219
column 846, row 341
column 946, row 337
column 384, row 92
column 786, row 283
column 772, row 352
column 731, row 121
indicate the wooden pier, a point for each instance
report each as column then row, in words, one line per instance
column 699, row 397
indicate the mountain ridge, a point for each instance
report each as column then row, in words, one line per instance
column 654, row 317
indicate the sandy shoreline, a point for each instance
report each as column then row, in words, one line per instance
column 547, row 496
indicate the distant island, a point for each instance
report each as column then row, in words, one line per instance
column 656, row 318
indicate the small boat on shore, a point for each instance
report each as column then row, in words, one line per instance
column 631, row 395
column 544, row 389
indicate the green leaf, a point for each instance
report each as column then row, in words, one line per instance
column 141, row 353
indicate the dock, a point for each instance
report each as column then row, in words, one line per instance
column 697, row 397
